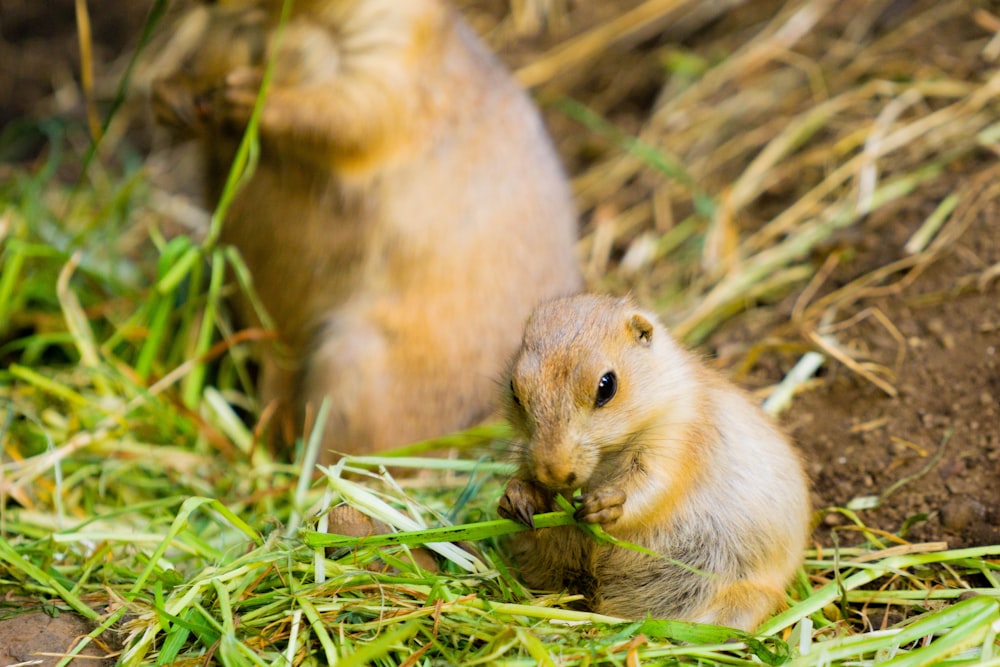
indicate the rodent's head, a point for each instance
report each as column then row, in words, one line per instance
column 575, row 389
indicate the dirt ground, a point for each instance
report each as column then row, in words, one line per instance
column 925, row 462
column 40, row 638
column 930, row 454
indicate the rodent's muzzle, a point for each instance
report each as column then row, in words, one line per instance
column 557, row 472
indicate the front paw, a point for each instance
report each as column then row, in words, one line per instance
column 232, row 104
column 603, row 506
column 175, row 106
column 522, row 500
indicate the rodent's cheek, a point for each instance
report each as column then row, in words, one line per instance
column 608, row 431
column 587, row 463
column 518, row 446
column 519, row 425
column 513, row 413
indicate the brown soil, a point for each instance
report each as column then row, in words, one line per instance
column 42, row 639
column 932, row 452
column 923, row 464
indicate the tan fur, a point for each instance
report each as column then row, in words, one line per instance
column 677, row 460
column 406, row 214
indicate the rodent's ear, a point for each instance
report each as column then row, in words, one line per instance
column 641, row 329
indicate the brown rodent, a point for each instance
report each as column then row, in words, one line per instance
column 666, row 454
column 347, row 520
column 407, row 211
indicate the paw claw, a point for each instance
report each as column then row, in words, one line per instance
column 521, row 500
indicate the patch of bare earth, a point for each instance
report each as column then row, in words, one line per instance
column 41, row 639
column 931, row 453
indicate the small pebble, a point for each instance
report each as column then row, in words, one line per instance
column 959, row 512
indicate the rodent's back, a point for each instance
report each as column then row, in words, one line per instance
column 756, row 460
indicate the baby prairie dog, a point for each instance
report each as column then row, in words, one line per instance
column 406, row 213
column 666, row 454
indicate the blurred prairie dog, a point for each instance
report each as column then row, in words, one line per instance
column 407, row 212
column 666, row 454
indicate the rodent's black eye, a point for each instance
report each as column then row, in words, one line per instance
column 606, row 389
column 513, row 394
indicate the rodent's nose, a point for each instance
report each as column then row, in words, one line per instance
column 557, row 476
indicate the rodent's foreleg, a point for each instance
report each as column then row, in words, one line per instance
column 553, row 559
column 175, row 105
column 547, row 558
column 235, row 101
column 344, row 118
column 604, row 505
column 523, row 499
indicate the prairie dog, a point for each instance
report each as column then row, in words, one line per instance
column 407, row 211
column 666, row 454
